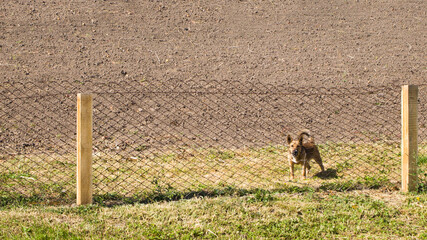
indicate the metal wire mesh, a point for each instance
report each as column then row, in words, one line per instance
column 422, row 137
column 37, row 148
column 189, row 138
column 158, row 138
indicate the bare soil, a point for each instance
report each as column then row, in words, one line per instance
column 293, row 43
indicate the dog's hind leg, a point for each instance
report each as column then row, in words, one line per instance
column 319, row 161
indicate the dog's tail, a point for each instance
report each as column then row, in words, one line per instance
column 307, row 133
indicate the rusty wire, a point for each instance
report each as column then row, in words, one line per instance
column 193, row 137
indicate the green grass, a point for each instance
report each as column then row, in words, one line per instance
column 191, row 193
column 422, row 170
column 360, row 214
column 188, row 169
column 146, row 175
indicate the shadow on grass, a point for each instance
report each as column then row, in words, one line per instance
column 168, row 193
column 327, row 174
column 12, row 200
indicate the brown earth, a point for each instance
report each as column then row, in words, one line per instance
column 295, row 43
column 278, row 47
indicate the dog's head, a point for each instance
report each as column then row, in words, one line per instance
column 295, row 146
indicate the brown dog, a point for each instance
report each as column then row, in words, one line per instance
column 301, row 153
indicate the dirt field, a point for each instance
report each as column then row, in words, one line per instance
column 293, row 43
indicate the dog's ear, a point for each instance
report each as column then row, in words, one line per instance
column 289, row 138
column 300, row 139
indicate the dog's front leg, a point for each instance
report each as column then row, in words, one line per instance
column 291, row 166
column 304, row 170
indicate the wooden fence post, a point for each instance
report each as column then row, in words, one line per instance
column 409, row 137
column 84, row 149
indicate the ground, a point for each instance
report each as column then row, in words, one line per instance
column 63, row 44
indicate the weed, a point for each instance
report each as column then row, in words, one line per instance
column 422, row 159
column 261, row 196
column 142, row 148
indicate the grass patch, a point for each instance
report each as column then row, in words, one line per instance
column 422, row 167
column 422, row 159
column 147, row 174
column 422, row 173
column 168, row 193
column 33, row 179
column 171, row 194
column 194, row 169
column 303, row 214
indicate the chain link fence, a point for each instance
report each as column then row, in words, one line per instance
column 37, row 148
column 422, row 137
column 156, row 141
